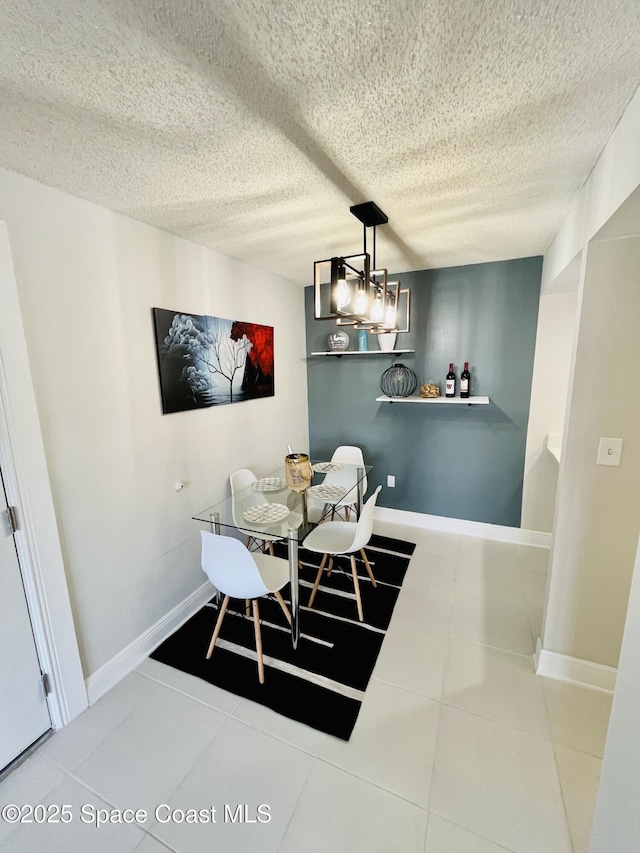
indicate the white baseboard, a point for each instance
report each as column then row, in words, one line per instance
column 575, row 670
column 515, row 535
column 110, row 673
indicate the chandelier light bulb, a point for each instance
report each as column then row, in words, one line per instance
column 361, row 302
column 377, row 311
column 343, row 297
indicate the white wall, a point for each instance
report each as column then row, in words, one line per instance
column 28, row 488
column 580, row 600
column 598, row 510
column 616, row 822
column 87, row 280
column 587, row 589
column 552, row 360
column 614, row 177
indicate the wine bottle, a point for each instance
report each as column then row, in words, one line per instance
column 450, row 383
column 465, row 380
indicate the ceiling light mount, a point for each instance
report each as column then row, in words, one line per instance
column 369, row 214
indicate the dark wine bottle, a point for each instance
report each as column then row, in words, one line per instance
column 465, row 380
column 450, row 383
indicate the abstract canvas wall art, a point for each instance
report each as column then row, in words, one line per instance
column 208, row 361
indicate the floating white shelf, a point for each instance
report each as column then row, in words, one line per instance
column 339, row 353
column 415, row 398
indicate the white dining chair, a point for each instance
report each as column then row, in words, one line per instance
column 336, row 538
column 237, row 572
column 242, row 497
column 352, row 458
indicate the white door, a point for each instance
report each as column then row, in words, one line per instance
column 24, row 714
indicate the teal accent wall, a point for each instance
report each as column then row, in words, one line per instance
column 456, row 461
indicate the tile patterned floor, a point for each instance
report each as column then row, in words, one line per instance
column 459, row 747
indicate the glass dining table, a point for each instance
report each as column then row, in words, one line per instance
column 269, row 511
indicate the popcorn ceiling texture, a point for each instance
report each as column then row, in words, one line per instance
column 251, row 126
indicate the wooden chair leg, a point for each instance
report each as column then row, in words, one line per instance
column 256, row 625
column 282, row 604
column 317, row 583
column 356, row 583
column 216, row 630
column 347, row 514
column 271, row 548
column 247, row 607
column 330, row 567
column 368, row 567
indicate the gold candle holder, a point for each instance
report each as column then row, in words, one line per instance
column 297, row 471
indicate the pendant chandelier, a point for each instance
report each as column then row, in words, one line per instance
column 351, row 290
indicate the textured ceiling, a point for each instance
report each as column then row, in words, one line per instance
column 251, row 126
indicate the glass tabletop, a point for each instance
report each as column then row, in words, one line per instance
column 269, row 508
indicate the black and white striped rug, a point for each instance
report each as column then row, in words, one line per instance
column 322, row 682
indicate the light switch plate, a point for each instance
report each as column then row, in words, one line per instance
column 609, row 451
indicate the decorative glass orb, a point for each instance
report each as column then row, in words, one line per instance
column 398, row 381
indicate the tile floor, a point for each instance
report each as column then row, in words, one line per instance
column 459, row 747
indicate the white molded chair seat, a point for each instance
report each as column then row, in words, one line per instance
column 331, row 537
column 351, row 456
column 239, row 573
column 335, row 538
column 242, row 497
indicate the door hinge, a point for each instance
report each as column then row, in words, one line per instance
column 46, row 684
column 9, row 520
